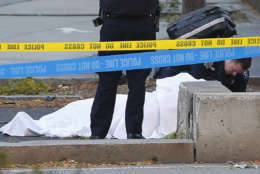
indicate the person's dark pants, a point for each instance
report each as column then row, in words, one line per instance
column 121, row 29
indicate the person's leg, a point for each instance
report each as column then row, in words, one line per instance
column 142, row 29
column 135, row 101
column 104, row 102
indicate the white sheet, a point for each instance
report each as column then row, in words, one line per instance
column 160, row 115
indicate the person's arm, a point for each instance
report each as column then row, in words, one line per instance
column 240, row 83
column 198, row 71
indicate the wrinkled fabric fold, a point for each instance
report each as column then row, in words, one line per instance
column 160, row 115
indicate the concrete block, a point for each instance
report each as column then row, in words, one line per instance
column 185, row 103
column 99, row 151
column 227, row 126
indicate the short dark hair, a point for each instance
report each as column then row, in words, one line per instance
column 245, row 62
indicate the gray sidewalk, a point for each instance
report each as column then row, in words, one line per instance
column 51, row 7
column 66, row 21
column 147, row 169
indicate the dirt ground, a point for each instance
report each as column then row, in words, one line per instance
column 65, row 91
column 88, row 88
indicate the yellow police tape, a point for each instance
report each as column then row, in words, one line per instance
column 131, row 45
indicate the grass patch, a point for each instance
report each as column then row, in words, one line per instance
column 171, row 136
column 3, row 160
column 27, row 86
column 174, row 135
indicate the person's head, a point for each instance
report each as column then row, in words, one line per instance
column 235, row 66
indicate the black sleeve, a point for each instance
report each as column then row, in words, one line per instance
column 240, row 83
column 198, row 71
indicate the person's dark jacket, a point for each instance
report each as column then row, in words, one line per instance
column 216, row 71
column 129, row 8
column 210, row 71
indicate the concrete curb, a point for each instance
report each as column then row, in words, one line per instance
column 99, row 151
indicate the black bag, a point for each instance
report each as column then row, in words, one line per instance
column 207, row 22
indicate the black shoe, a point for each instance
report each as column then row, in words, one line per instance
column 95, row 137
column 135, row 136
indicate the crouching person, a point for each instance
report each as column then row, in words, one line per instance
column 233, row 74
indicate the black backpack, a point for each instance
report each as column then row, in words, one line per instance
column 207, row 22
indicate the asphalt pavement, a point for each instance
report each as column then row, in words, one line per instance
column 148, row 169
column 9, row 2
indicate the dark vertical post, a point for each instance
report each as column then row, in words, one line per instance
column 190, row 5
